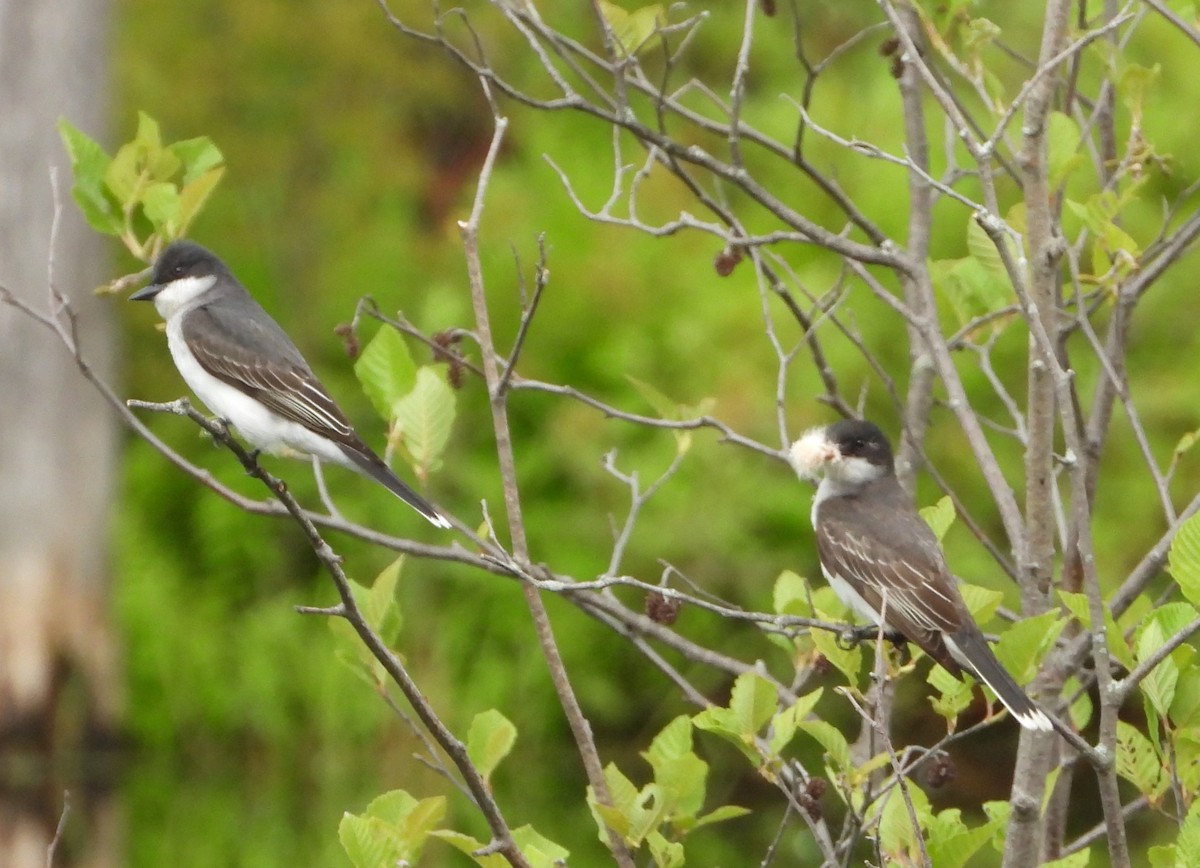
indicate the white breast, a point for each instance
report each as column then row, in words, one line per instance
column 261, row 427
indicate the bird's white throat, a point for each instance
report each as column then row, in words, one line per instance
column 181, row 294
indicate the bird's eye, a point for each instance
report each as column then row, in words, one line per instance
column 177, row 270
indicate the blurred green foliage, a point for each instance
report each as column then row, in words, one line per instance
column 350, row 153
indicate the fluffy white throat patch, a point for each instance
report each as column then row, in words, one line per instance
column 181, row 294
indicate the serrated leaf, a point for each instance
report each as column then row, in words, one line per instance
column 368, row 841
column 752, row 702
column 785, row 723
column 632, row 31
column 386, row 371
column 981, row 602
column 148, row 137
column 380, row 606
column 1159, row 684
column 1138, row 762
column 89, row 163
column 837, row 749
column 848, row 661
column 199, row 157
column 1062, row 155
column 538, row 849
column 194, row 194
column 897, row 837
column 721, row 814
column 1081, row 709
column 953, row 695
column 791, row 595
column 160, row 202
column 1075, row 860
column 951, row 843
column 1184, row 712
column 983, row 250
column 424, row 418
column 939, row 516
column 618, row 816
column 1026, row 642
column 467, row 844
column 1183, row 562
column 419, row 822
column 123, row 175
column 489, row 740
column 666, row 854
column 972, row 289
column 1077, row 605
column 392, row 806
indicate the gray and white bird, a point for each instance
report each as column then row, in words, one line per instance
column 874, row 546
column 247, row 371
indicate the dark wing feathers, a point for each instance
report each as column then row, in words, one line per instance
column 881, row 549
column 230, row 346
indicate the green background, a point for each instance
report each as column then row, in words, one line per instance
column 352, row 152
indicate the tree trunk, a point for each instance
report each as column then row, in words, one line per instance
column 57, row 438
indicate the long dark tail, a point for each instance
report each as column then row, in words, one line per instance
column 974, row 650
column 372, row 465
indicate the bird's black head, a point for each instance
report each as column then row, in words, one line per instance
column 181, row 259
column 858, row 438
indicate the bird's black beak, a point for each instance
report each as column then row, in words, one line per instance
column 146, row 293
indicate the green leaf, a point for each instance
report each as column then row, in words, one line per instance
column 785, row 723
column 837, row 749
column 981, row 602
column 618, row 816
column 368, row 841
column 489, row 740
column 1075, row 860
column 123, row 177
column 954, row 695
column 1081, row 709
column 752, row 702
column 951, row 843
column 199, row 157
column 848, row 661
column 632, row 30
column 939, row 516
column 386, row 370
column 538, row 849
column 721, row 814
column 392, row 830
column 148, row 137
column 467, row 844
column 89, row 163
column 672, row 410
column 897, row 837
column 194, row 194
column 791, row 595
column 1026, row 642
column 1139, row 763
column 1183, row 561
column 666, row 854
column 971, row 288
column 1163, row 623
column 1063, row 155
column 160, row 201
column 983, row 250
column 1077, row 605
column 1184, row 712
column 379, row 605
column 424, row 418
